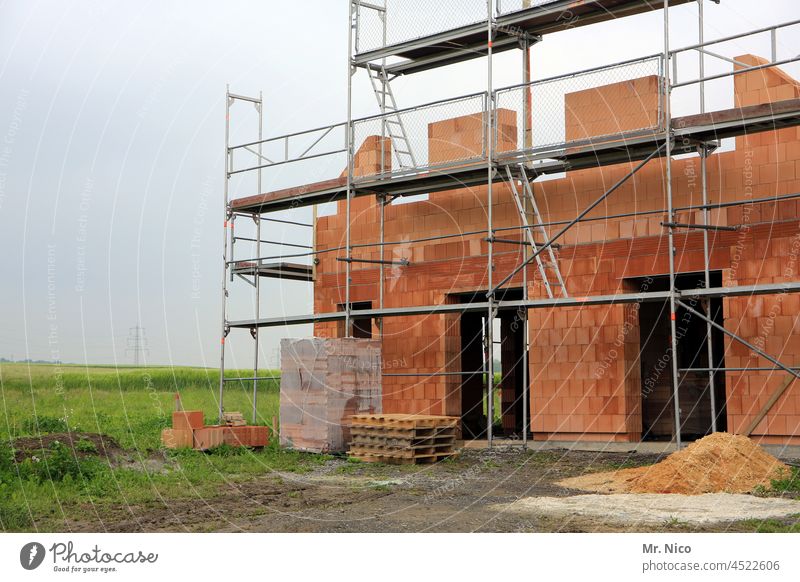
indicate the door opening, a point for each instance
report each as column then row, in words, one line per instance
column 694, row 396
column 509, row 343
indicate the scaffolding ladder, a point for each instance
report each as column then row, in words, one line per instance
column 392, row 122
column 522, row 203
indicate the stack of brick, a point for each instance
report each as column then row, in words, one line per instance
column 181, row 435
column 323, row 383
column 189, row 432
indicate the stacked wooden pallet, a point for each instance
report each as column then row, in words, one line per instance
column 402, row 438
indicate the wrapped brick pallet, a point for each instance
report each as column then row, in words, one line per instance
column 323, row 383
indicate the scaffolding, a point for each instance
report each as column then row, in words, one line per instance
column 386, row 42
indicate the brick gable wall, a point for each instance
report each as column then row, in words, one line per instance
column 584, row 366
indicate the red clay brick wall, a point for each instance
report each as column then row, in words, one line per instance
column 765, row 164
column 585, row 381
column 612, row 109
column 585, row 373
column 766, row 251
column 764, row 86
column 585, row 369
column 419, row 344
column 329, row 290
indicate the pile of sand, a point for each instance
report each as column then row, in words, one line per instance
column 718, row 463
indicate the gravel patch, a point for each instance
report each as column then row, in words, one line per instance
column 658, row 508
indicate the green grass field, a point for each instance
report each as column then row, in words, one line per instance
column 131, row 405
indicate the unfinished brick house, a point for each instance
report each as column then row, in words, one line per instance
column 598, row 365
column 587, row 363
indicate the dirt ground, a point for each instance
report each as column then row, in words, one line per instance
column 468, row 494
column 103, row 446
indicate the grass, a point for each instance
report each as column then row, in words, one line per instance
column 131, row 405
column 673, row 521
column 778, row 487
column 790, row 525
column 66, row 377
column 541, row 458
column 497, row 406
column 788, row 484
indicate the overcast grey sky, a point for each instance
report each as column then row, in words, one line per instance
column 111, row 152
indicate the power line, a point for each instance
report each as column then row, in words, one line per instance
column 137, row 343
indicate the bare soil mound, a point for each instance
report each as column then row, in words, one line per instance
column 718, row 463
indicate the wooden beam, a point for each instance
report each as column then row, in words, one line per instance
column 770, row 403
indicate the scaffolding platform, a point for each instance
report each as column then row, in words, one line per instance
column 516, row 305
column 690, row 131
column 288, row 271
column 469, row 41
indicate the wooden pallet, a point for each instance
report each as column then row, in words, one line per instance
column 402, row 438
column 408, row 433
column 395, row 421
column 399, row 453
column 403, row 443
column 404, row 434
column 418, row 460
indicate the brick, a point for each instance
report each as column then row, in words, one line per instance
column 176, row 439
column 187, row 419
column 246, row 436
column 208, row 437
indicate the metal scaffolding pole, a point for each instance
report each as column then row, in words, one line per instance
column 701, row 56
column 382, row 200
column 352, row 26
column 704, row 151
column 525, row 360
column 257, row 219
column 527, row 143
column 224, row 331
column 742, row 341
column 706, row 302
column 527, row 104
column 490, row 230
column 671, row 229
column 439, row 308
column 718, row 205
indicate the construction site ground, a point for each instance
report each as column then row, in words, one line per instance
column 498, row 490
